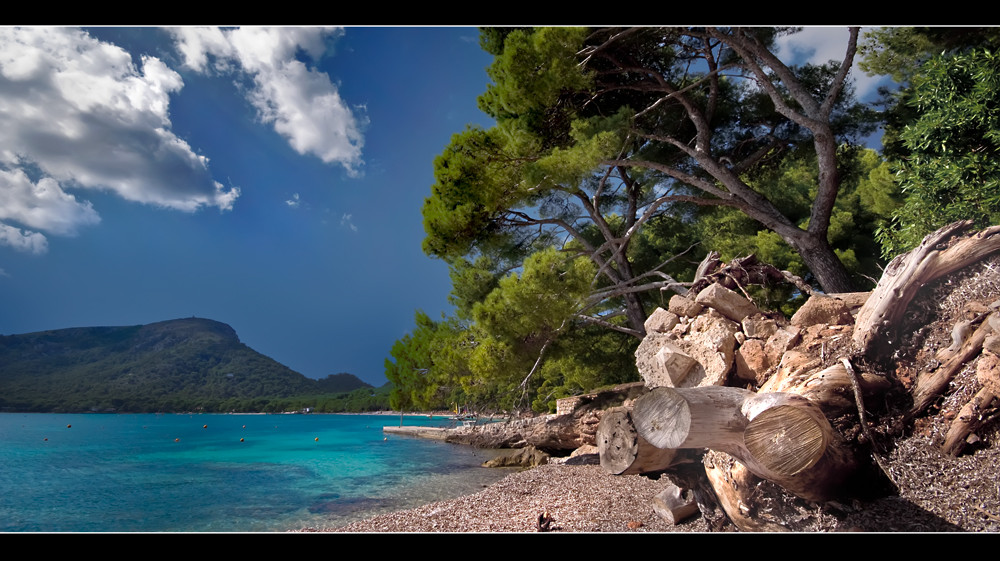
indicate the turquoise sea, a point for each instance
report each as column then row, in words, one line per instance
column 192, row 473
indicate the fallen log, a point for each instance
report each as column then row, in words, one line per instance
column 623, row 451
column 782, row 437
column 880, row 317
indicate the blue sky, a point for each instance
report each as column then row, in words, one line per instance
column 271, row 179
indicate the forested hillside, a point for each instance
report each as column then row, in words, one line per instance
column 187, row 364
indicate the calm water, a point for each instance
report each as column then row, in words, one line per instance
column 191, row 473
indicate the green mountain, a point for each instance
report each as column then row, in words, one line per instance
column 190, row 364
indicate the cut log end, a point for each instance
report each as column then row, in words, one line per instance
column 786, row 440
column 617, row 441
column 623, row 451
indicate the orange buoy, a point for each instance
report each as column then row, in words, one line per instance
column 241, row 440
column 317, row 439
column 177, row 440
column 46, row 440
column 204, row 426
column 68, row 426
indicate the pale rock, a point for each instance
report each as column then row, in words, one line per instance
column 759, row 326
column 714, row 331
column 727, row 302
column 710, row 368
column 661, row 321
column 684, row 306
column 646, row 360
column 822, row 309
column 674, row 364
column 992, row 343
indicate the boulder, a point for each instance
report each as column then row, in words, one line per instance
column 522, row 457
column 726, row 302
column 759, row 326
column 661, row 321
column 821, row 309
column 684, row 306
column 782, row 340
column 672, row 364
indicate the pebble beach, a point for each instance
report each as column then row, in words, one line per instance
column 575, row 498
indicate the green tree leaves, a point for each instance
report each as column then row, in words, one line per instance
column 952, row 167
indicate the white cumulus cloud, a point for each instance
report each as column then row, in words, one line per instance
column 819, row 45
column 302, row 104
column 77, row 113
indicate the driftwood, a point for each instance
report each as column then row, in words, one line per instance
column 675, row 505
column 880, row 317
column 781, row 437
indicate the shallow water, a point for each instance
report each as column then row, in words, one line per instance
column 192, row 473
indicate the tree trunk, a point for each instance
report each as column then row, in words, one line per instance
column 736, row 489
column 831, row 388
column 822, row 261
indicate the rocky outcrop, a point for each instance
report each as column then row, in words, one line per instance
column 554, row 434
column 524, row 457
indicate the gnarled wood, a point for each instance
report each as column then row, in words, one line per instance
column 979, row 408
column 674, row 505
column 830, row 387
column 879, row 318
column 930, row 385
column 735, row 488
